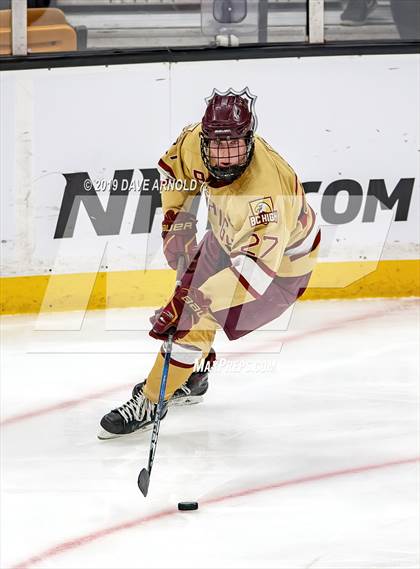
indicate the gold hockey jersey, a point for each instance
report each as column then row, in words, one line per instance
column 262, row 220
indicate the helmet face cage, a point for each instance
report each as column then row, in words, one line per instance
column 227, row 158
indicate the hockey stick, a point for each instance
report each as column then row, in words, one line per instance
column 144, row 476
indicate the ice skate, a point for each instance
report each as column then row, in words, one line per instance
column 137, row 414
column 192, row 391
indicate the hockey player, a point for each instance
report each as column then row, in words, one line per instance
column 252, row 264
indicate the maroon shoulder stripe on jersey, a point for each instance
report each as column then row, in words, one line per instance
column 298, row 243
column 167, row 168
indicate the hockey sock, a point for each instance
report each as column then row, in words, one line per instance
column 178, row 374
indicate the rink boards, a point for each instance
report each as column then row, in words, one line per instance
column 79, row 187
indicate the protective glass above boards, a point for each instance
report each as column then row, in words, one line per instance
column 361, row 20
column 77, row 25
column 80, row 25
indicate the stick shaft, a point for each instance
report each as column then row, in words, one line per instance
column 156, row 424
column 144, row 476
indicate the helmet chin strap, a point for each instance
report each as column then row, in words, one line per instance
column 228, row 174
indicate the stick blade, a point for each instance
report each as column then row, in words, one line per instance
column 143, row 481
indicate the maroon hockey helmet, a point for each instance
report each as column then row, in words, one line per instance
column 227, row 122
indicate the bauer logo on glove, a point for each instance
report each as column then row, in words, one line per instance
column 184, row 310
column 193, row 305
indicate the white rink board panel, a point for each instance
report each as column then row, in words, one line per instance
column 66, row 122
column 332, row 118
column 348, row 125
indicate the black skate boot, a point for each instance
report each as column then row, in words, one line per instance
column 137, row 414
column 357, row 12
column 192, row 391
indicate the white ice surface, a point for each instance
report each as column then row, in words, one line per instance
column 341, row 393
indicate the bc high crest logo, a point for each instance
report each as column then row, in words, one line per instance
column 263, row 212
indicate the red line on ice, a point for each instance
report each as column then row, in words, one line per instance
column 292, row 338
column 62, row 405
column 66, row 546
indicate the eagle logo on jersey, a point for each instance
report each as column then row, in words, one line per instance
column 262, row 211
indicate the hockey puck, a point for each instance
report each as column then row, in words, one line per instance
column 185, row 506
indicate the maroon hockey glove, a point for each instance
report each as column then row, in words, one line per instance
column 180, row 314
column 178, row 232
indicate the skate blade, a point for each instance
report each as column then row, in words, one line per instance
column 105, row 436
column 188, row 400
